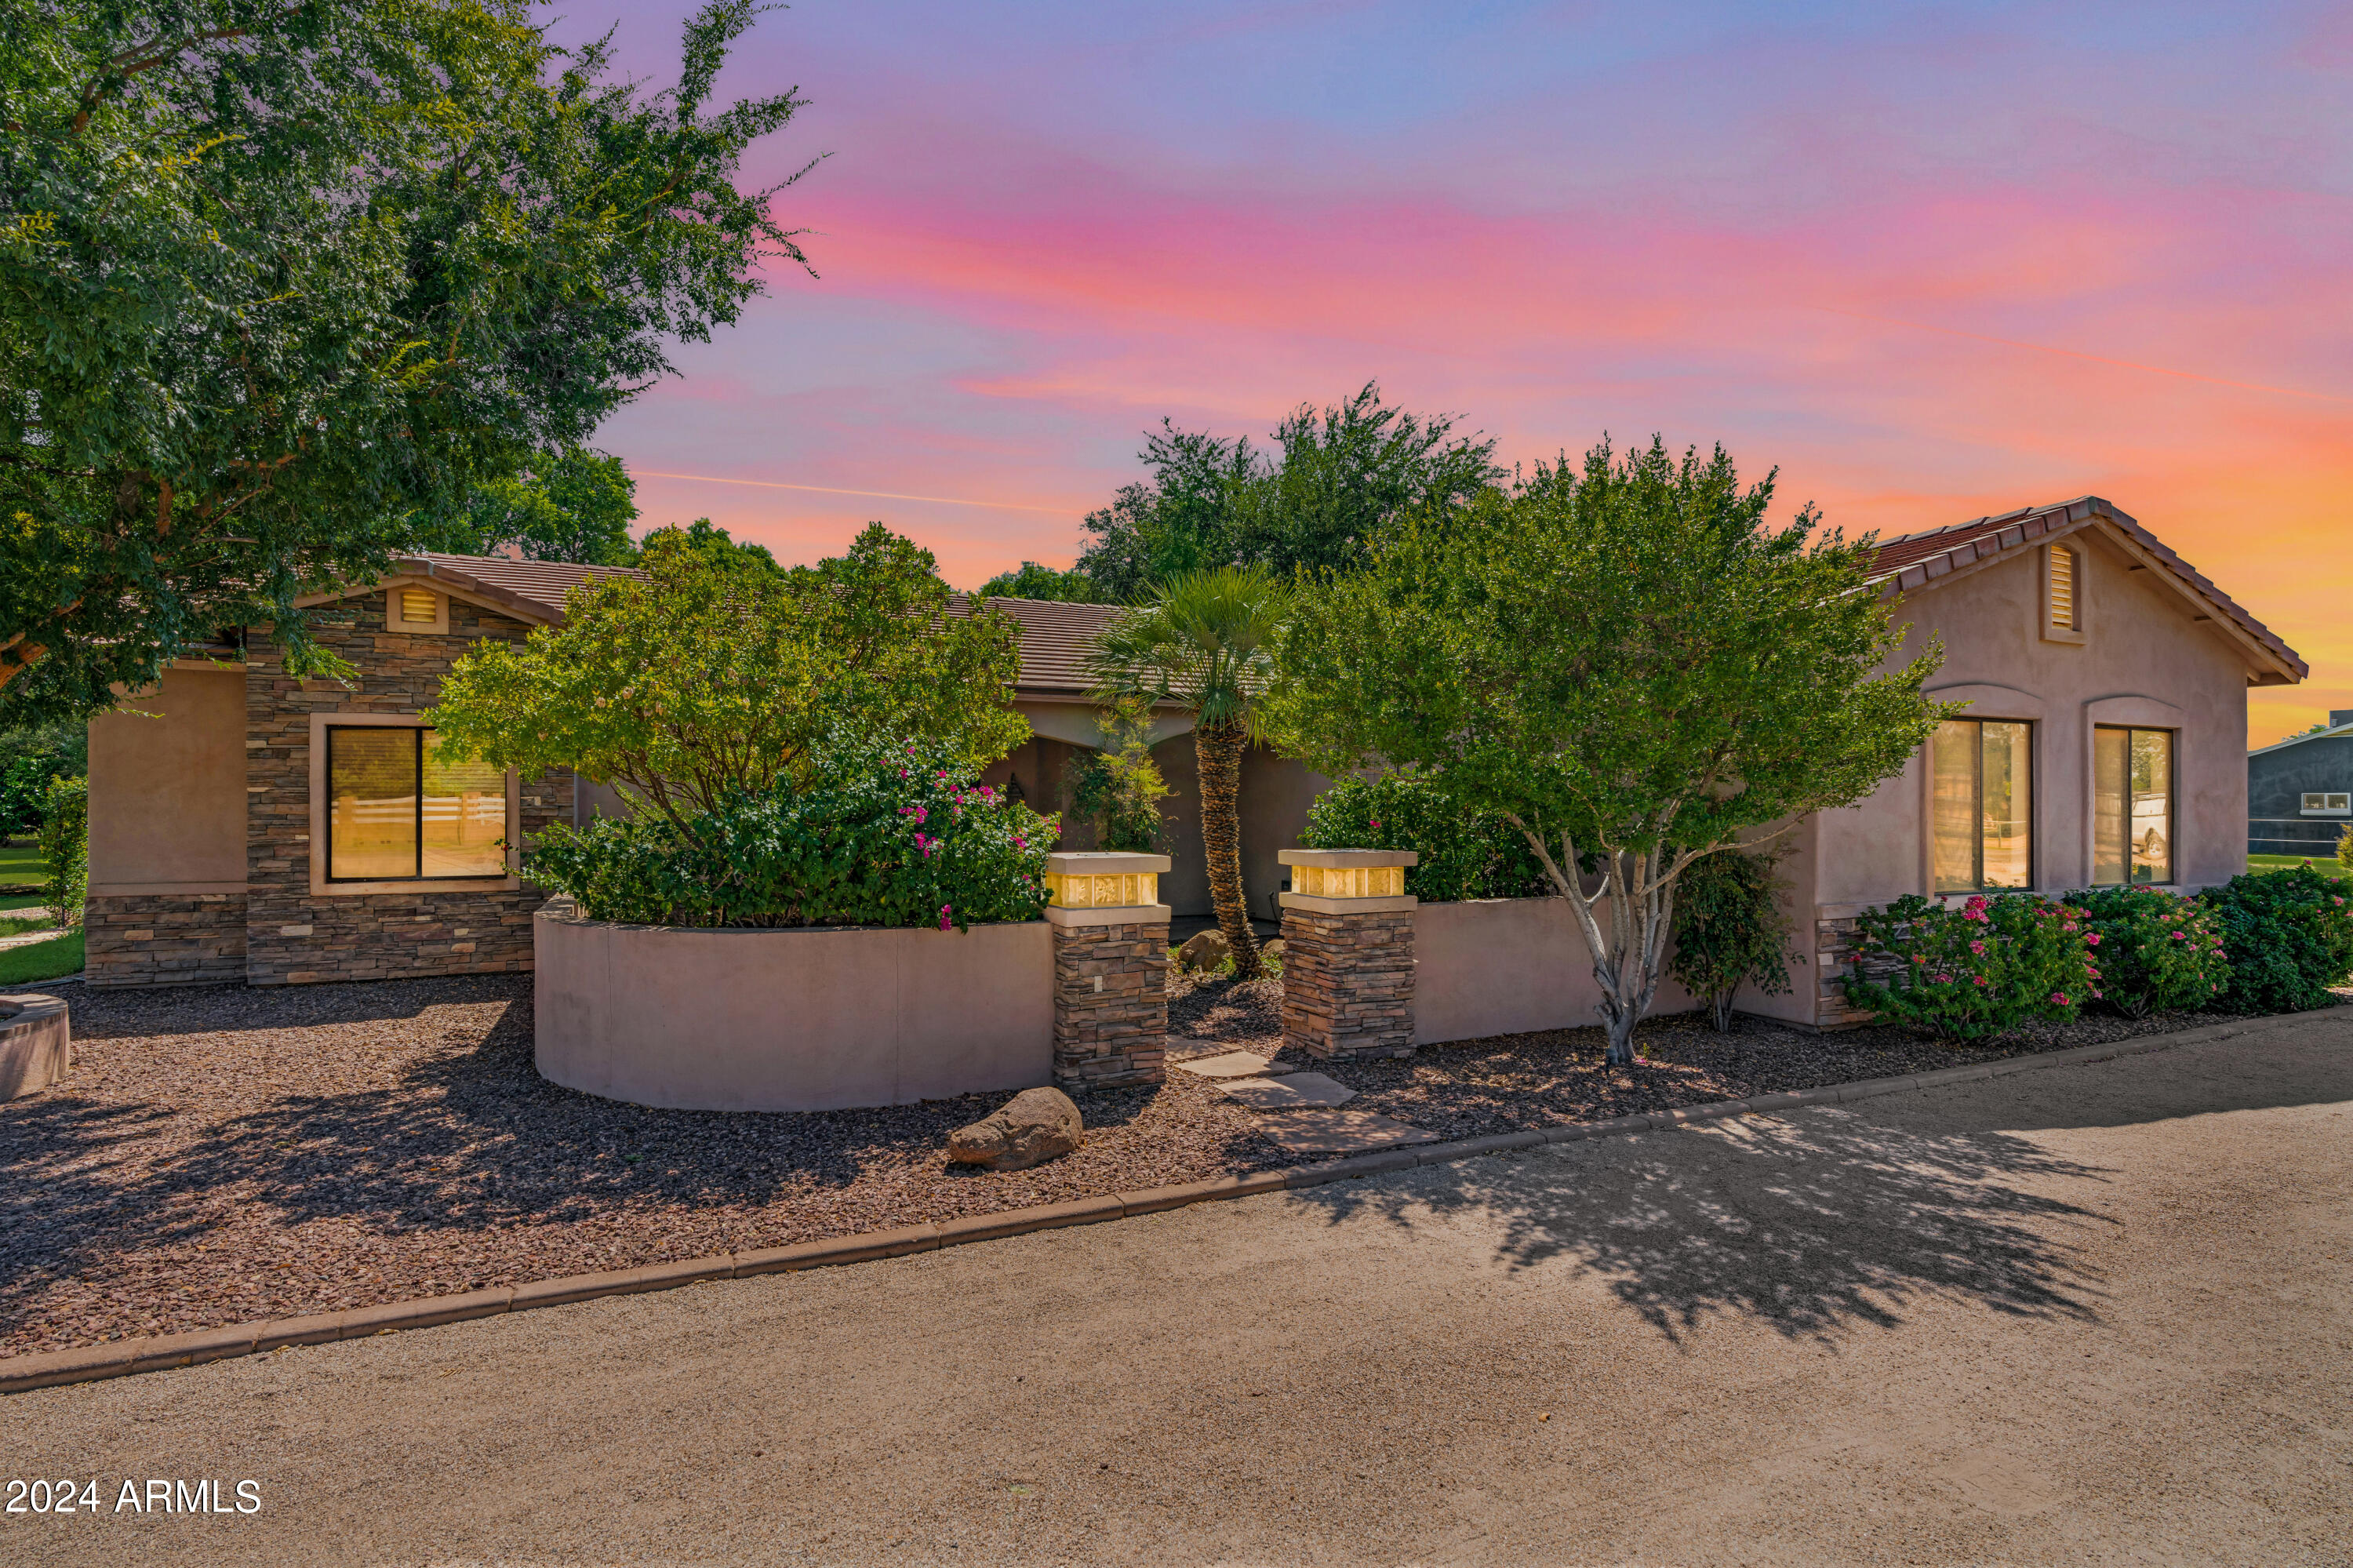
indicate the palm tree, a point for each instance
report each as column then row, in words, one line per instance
column 1204, row 640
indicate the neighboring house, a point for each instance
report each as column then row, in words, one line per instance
column 247, row 826
column 2300, row 792
column 2108, row 689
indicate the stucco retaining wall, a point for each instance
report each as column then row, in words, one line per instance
column 1507, row 965
column 791, row 1019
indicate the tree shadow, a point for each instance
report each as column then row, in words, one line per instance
column 471, row 1139
column 1813, row 1225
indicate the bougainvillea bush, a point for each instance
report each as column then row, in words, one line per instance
column 1974, row 970
column 1464, row 853
column 2290, row 938
column 2156, row 951
column 896, row 834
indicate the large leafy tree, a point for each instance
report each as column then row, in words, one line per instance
column 1333, row 478
column 279, row 277
column 1037, row 581
column 575, row 504
column 709, row 672
column 1205, row 641
column 1627, row 663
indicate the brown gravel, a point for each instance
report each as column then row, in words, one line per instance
column 1511, row 1082
column 222, row 1154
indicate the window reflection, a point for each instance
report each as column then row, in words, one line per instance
column 1982, row 784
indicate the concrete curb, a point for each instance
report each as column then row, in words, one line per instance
column 93, row 1362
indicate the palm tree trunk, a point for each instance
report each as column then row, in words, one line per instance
column 1217, row 755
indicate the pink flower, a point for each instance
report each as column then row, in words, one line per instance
column 1021, row 844
column 2058, row 999
column 1981, row 980
column 902, row 773
column 922, row 815
column 945, row 921
column 1919, row 957
column 1376, row 828
column 2093, row 940
column 986, row 794
column 1978, row 948
column 2181, row 935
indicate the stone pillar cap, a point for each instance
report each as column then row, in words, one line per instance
column 1349, row 858
column 1103, row 863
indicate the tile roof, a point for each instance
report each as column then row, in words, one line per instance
column 1055, row 641
column 535, row 587
column 1916, row 560
column 1055, row 637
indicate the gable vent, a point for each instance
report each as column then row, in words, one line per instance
column 2063, row 587
column 417, row 605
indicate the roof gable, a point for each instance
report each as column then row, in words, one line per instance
column 1917, row 561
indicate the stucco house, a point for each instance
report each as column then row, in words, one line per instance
column 244, row 825
column 2300, row 791
column 2108, row 684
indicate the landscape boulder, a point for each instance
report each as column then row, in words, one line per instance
column 1033, row 1127
column 1205, row 952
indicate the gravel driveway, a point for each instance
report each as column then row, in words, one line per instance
column 2097, row 1314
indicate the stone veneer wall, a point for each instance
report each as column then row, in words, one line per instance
column 1111, row 1005
column 292, row 937
column 134, row 940
column 1834, row 951
column 1347, row 982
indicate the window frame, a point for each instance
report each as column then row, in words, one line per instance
column 322, row 807
column 2325, row 809
column 2172, row 803
column 2031, row 815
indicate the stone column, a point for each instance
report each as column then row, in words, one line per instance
column 1347, row 953
column 1111, row 970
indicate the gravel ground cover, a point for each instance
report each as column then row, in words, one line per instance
column 222, row 1154
column 1513, row 1082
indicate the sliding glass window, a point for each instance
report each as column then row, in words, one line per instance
column 399, row 811
column 2132, row 805
column 1983, row 779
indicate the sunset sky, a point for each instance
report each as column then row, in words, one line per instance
column 1932, row 261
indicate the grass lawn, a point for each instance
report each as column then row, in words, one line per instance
column 2290, row 862
column 21, row 911
column 41, row 960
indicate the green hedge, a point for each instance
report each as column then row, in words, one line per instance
column 2289, row 935
column 1465, row 855
column 2156, row 951
column 1975, row 972
column 901, row 835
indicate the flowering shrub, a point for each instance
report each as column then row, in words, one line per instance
column 882, row 835
column 2290, row 938
column 1973, row 971
column 1465, row 855
column 2156, row 950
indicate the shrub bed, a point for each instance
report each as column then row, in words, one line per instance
column 1465, row 855
column 883, row 835
column 2156, row 951
column 1975, row 971
column 2289, row 935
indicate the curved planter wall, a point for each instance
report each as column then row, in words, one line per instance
column 35, row 1042
column 790, row 1020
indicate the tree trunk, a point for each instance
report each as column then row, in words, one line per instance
column 1628, row 957
column 1721, row 1005
column 1217, row 755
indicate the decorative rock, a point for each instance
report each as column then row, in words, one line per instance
column 1206, row 951
column 1033, row 1127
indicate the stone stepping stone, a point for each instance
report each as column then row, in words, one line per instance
column 1338, row 1132
column 1232, row 1065
column 1297, row 1091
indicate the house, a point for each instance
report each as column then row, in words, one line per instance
column 2106, row 685
column 2300, row 792
column 247, row 826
